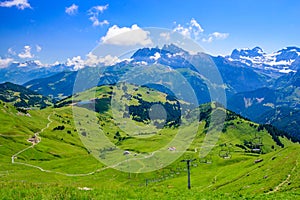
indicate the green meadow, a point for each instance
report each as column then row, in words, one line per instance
column 69, row 161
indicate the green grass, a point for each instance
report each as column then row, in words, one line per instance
column 70, row 165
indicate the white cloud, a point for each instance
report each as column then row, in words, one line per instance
column 215, row 35
column 218, row 35
column 11, row 51
column 76, row 61
column 20, row 4
column 91, row 60
column 96, row 21
column 38, row 48
column 26, row 52
column 165, row 35
column 195, row 26
column 5, row 62
column 208, row 40
column 128, row 36
column 72, row 10
column 94, row 15
column 38, row 62
column 182, row 30
column 194, row 31
column 191, row 30
column 100, row 8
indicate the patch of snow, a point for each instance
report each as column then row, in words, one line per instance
column 127, row 59
column 282, row 62
column 141, row 63
column 169, row 55
column 156, row 56
column 265, row 61
column 259, row 100
column 260, row 51
column 286, row 70
column 23, row 65
column 243, row 49
column 248, row 102
column 179, row 54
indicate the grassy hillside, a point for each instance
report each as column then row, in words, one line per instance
column 278, row 107
column 22, row 97
column 56, row 86
column 59, row 166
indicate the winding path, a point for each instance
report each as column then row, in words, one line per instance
column 33, row 144
column 277, row 188
column 13, row 157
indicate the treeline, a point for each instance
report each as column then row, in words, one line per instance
column 140, row 112
column 275, row 133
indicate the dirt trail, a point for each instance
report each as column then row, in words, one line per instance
column 13, row 157
column 33, row 144
column 286, row 181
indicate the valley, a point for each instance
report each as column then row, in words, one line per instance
column 63, row 165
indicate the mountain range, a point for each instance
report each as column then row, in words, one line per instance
column 275, row 64
column 256, row 84
column 22, row 72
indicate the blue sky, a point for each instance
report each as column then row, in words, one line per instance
column 56, row 30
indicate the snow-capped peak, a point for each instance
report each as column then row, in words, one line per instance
column 31, row 63
column 255, row 52
column 281, row 61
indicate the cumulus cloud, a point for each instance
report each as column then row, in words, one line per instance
column 91, row 60
column 100, row 8
column 94, row 15
column 76, row 61
column 5, row 62
column 128, row 36
column 20, row 4
column 215, row 36
column 184, row 31
column 96, row 21
column 192, row 30
column 26, row 53
column 72, row 10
